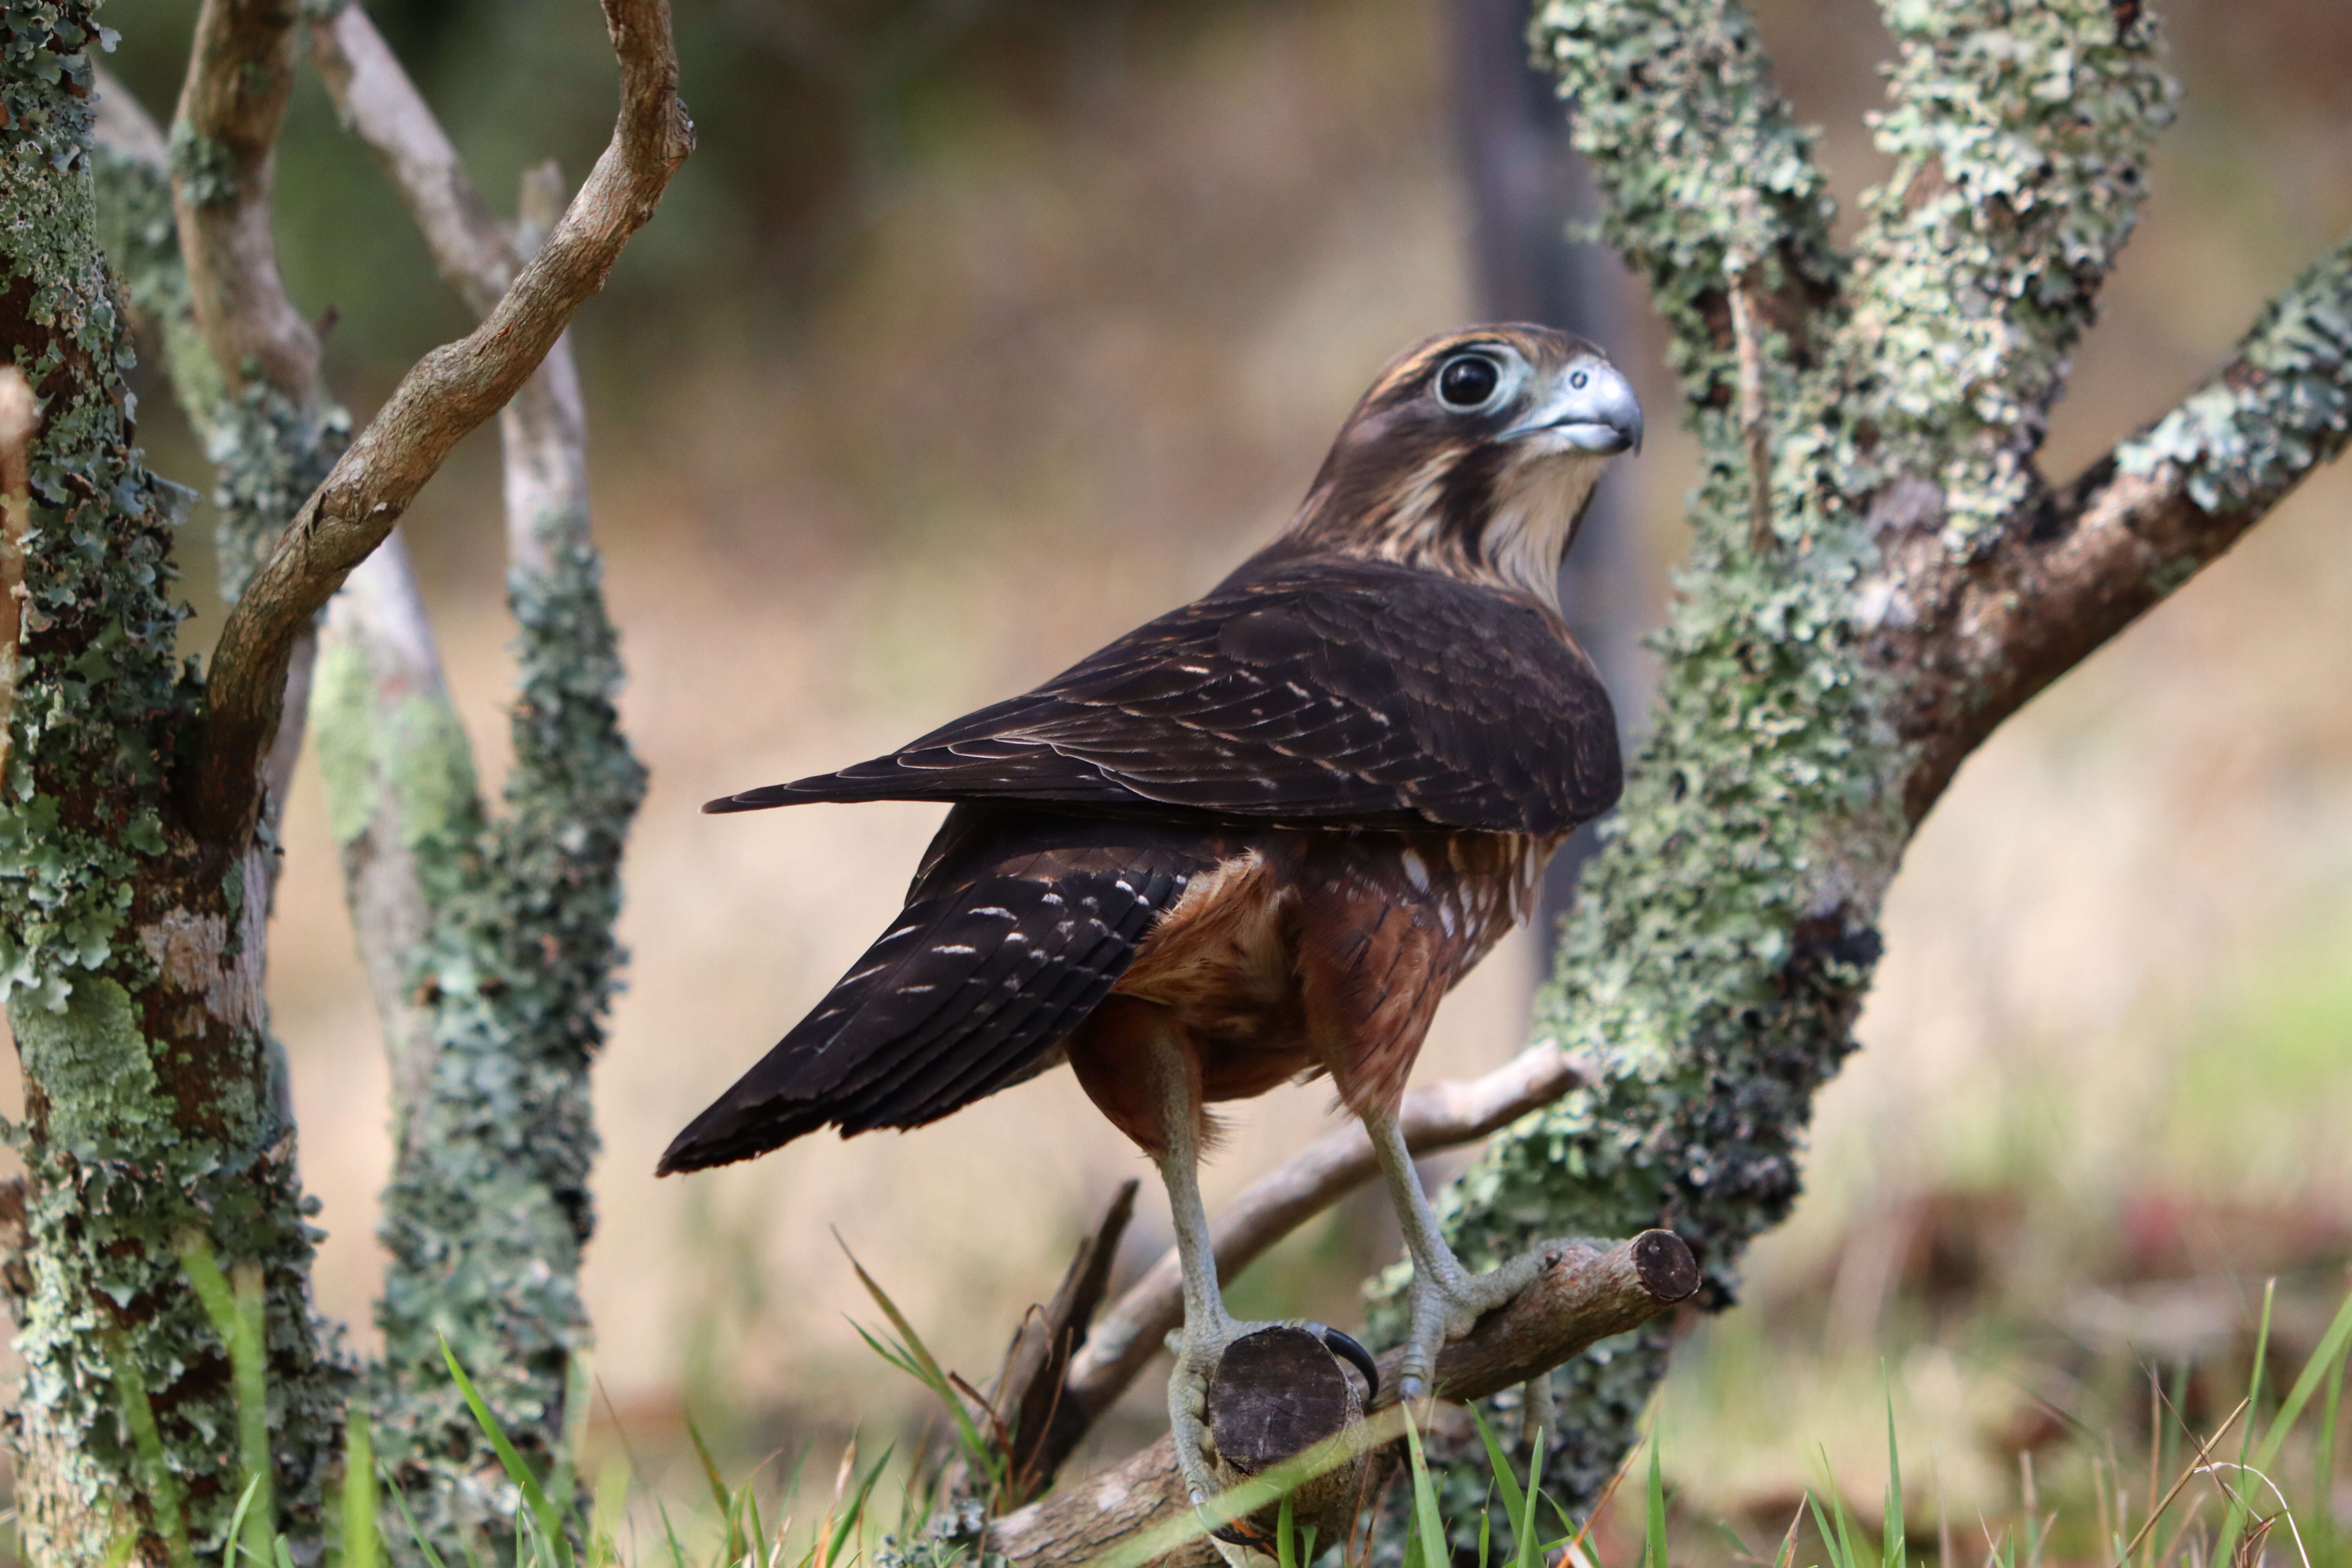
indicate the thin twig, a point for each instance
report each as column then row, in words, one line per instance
column 2196, row 1467
column 20, row 419
column 1740, row 268
column 449, row 393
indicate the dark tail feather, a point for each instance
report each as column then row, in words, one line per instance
column 965, row 991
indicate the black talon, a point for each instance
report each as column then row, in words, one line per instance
column 1355, row 1355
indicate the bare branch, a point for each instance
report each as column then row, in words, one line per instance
column 450, row 392
column 240, row 70
column 1587, row 1292
column 471, row 250
column 20, row 419
column 1977, row 635
column 1435, row 1116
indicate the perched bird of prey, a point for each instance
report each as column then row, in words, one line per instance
column 1258, row 839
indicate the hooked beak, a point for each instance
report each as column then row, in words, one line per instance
column 1602, row 417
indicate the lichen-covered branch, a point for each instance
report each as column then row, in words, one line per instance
column 507, row 983
column 2020, row 136
column 1978, row 634
column 449, row 393
column 1816, row 697
column 130, row 948
column 1681, row 91
column 401, row 801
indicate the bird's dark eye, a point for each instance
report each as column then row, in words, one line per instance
column 1467, row 381
column 1578, row 380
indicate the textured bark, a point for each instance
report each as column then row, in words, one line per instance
column 130, row 947
column 1917, row 579
column 449, row 392
column 488, row 944
column 131, row 919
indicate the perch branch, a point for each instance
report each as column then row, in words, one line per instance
column 1977, row 636
column 1587, row 1292
column 450, row 392
column 1435, row 1116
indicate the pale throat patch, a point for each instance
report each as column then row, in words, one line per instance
column 1537, row 505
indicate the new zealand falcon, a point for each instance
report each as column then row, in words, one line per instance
column 1258, row 839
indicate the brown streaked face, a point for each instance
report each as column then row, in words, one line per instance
column 1474, row 455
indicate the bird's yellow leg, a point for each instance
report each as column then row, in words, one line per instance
column 1208, row 1327
column 1445, row 1298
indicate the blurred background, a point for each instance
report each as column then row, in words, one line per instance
column 979, row 331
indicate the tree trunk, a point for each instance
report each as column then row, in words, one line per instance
column 133, row 949
column 1880, row 575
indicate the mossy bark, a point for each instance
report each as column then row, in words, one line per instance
column 130, row 951
column 1817, row 687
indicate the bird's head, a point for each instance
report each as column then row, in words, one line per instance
column 1474, row 455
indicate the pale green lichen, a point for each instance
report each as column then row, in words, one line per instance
column 489, row 1206
column 2019, row 135
column 1725, row 936
column 2284, row 407
column 146, row 1110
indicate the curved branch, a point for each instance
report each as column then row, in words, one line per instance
column 1587, row 1292
column 450, row 392
column 1435, row 1116
column 224, row 146
column 1977, row 636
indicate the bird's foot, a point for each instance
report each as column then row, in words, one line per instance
column 1202, row 1348
column 1445, row 1301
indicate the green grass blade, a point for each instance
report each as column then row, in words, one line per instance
column 1284, row 1525
column 2240, row 1493
column 565, row 1482
column 360, row 1547
column 1429, row 1527
column 415, row 1535
column 1654, row 1543
column 719, row 1492
column 855, row 1511
column 2323, row 1507
column 1896, row 1542
column 1514, row 1502
column 236, row 1521
column 534, row 1496
column 1524, row 1522
column 669, row 1533
column 147, row 1442
column 238, row 1317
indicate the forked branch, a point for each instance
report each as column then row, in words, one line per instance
column 450, row 392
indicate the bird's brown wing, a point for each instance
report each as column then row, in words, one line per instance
column 1018, row 924
column 1323, row 692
